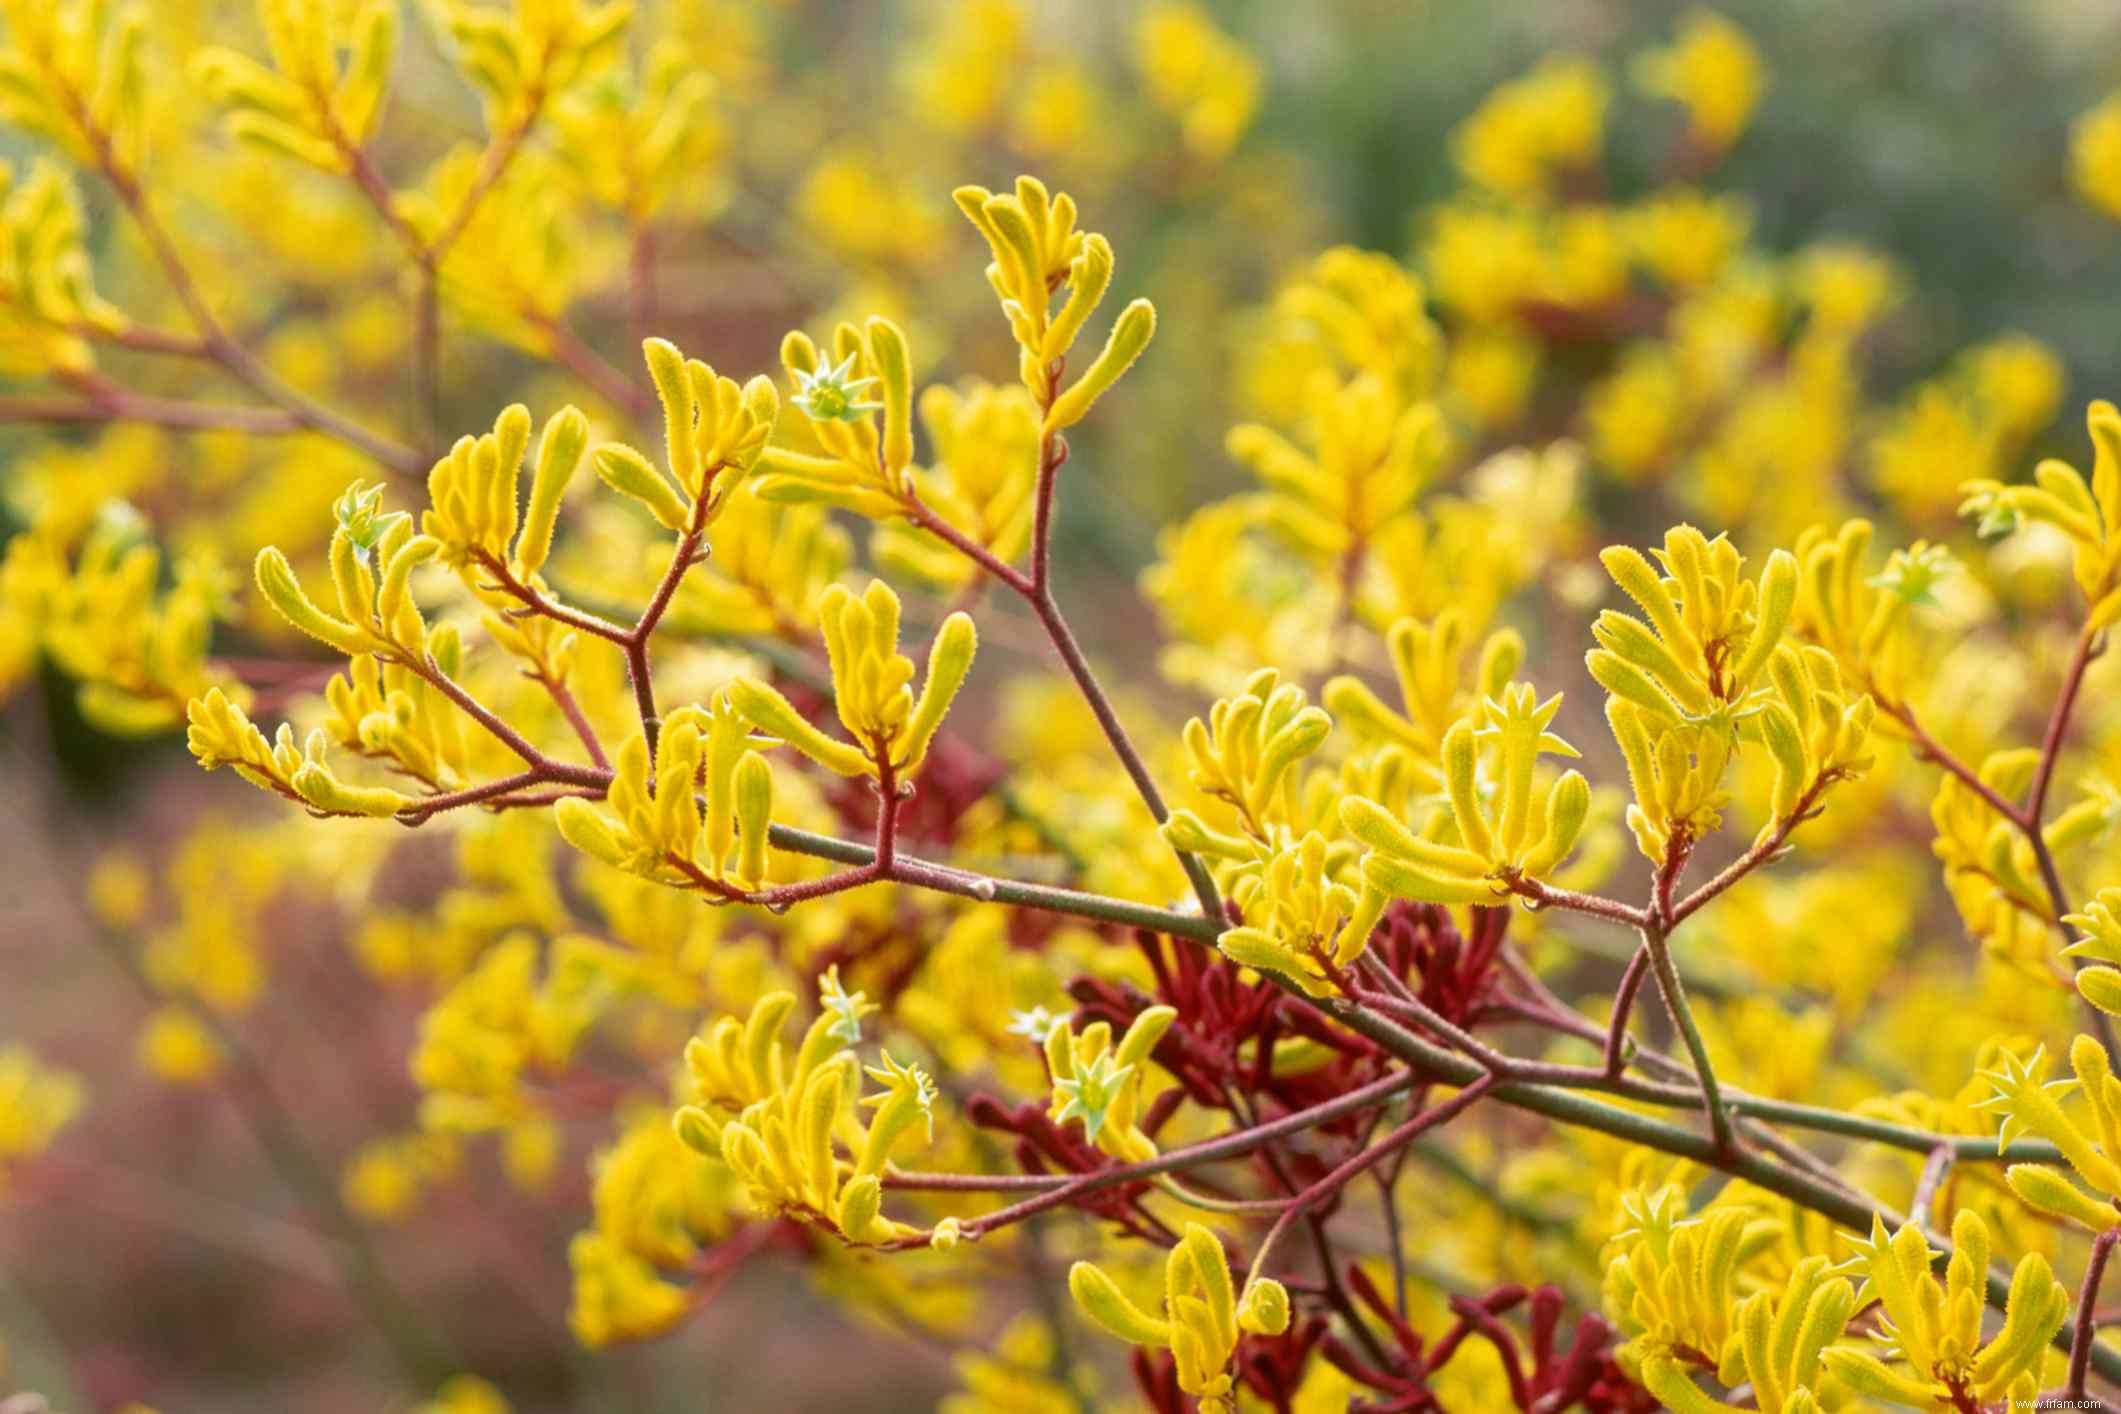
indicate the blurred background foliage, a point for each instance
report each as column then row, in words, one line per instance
column 1220, row 147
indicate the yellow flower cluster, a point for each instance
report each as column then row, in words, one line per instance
column 1203, row 1314
column 137, row 647
column 777, row 1120
column 1935, row 1328
column 1100, row 1082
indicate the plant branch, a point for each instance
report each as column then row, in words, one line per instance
column 537, row 602
column 2088, row 646
column 926, row 517
column 2083, row 1344
column 687, row 554
column 222, row 346
column 1093, row 692
column 594, row 369
column 564, row 699
column 1654, row 942
column 114, row 404
column 546, row 768
column 1930, row 749
column 1406, row 1132
column 1763, row 851
column 1060, row 1190
column 1036, row 589
column 1592, row 905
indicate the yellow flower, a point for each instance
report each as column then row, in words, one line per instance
column 776, row 1120
column 871, row 681
column 1206, row 80
column 1935, row 1328
column 1507, row 825
column 2087, row 511
column 695, row 814
column 1688, row 238
column 48, row 299
column 36, row 1102
column 2029, row 1103
column 176, row 1046
column 307, row 104
column 2095, row 155
column 1202, row 1315
column 1711, row 632
column 1100, row 1082
column 1713, row 71
column 1532, row 130
column 465, row 1394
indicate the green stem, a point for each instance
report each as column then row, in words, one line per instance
column 1653, row 941
column 987, row 889
column 1099, row 908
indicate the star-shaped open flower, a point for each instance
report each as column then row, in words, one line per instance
column 833, row 394
column 1034, row 1025
column 360, row 512
column 2025, row 1098
column 901, row 1083
column 847, row 1008
column 1091, row 1092
column 1912, row 574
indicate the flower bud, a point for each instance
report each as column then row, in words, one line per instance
column 626, row 471
column 1130, row 335
column 1108, row 1306
column 696, row 1131
column 754, row 809
column 276, row 580
column 2101, row 986
column 887, row 346
column 949, row 661
column 2050, row 1192
column 559, row 457
column 586, row 828
column 1264, row 1309
column 765, row 708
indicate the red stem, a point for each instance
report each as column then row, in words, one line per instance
column 1594, row 905
column 564, row 699
column 1228, row 1146
column 2057, row 726
column 429, row 806
column 1053, row 454
column 2080, row 1349
column 1616, row 1035
column 1411, row 1129
column 636, row 640
column 1760, row 853
column 1932, row 750
column 920, row 513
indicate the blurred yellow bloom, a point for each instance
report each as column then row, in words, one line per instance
column 1200, row 76
column 176, row 1046
column 2095, row 156
column 1713, row 71
column 36, row 1102
column 1529, row 132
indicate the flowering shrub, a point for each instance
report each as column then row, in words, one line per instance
column 792, row 911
